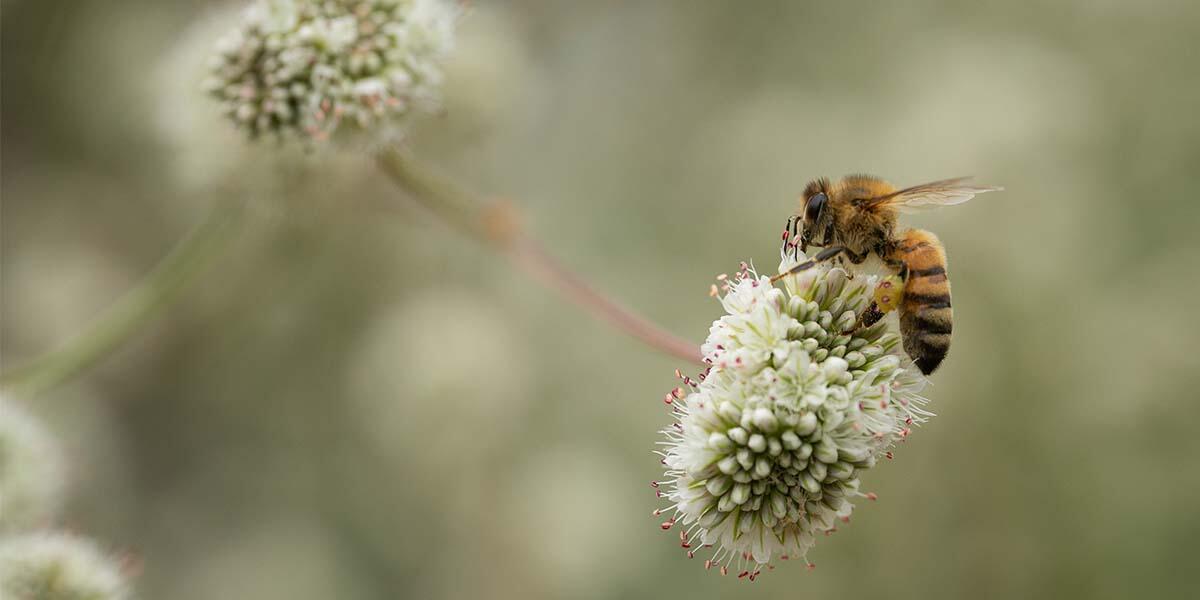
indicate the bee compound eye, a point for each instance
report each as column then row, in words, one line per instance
column 816, row 203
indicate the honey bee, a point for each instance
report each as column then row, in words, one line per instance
column 855, row 218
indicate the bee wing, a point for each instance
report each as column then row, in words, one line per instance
column 931, row 195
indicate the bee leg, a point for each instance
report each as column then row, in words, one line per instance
column 789, row 236
column 893, row 263
column 870, row 316
column 855, row 259
column 888, row 295
column 796, row 238
column 822, row 256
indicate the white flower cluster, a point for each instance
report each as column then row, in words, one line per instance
column 305, row 67
column 768, row 446
column 31, row 471
column 34, row 562
column 58, row 566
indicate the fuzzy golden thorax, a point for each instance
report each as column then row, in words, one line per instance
column 844, row 220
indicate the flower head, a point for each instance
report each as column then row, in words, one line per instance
column 31, row 470
column 309, row 67
column 798, row 400
column 58, row 566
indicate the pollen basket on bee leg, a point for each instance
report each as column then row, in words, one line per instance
column 889, row 293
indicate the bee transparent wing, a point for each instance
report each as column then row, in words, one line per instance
column 932, row 195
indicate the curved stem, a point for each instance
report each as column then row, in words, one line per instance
column 534, row 259
column 133, row 310
column 494, row 224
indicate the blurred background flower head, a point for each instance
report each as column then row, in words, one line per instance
column 59, row 566
column 31, row 471
column 309, row 68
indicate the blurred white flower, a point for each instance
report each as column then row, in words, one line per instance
column 275, row 15
column 308, row 67
column 201, row 150
column 769, row 444
column 31, row 471
column 58, row 566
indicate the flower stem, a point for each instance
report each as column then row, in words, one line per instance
column 495, row 224
column 133, row 310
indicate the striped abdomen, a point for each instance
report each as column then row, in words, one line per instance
column 926, row 318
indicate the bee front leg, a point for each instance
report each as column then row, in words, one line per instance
column 791, row 237
column 822, row 256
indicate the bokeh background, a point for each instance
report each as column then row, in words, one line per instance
column 356, row 403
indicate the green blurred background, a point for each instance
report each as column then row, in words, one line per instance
column 356, row 403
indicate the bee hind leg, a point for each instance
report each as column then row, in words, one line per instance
column 887, row 297
column 868, row 317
